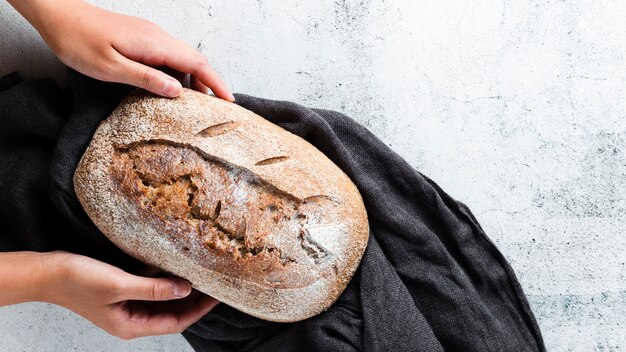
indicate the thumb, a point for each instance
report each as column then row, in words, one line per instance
column 148, row 78
column 154, row 289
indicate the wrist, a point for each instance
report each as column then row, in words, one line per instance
column 45, row 273
column 27, row 276
column 53, row 277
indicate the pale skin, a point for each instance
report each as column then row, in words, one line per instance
column 114, row 48
column 117, row 48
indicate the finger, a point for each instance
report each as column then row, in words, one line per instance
column 174, row 306
column 197, row 85
column 195, row 298
column 169, row 323
column 179, row 76
column 131, row 287
column 177, row 306
column 148, row 78
column 178, row 55
column 186, row 59
column 208, row 77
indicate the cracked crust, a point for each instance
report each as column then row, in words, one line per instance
column 248, row 212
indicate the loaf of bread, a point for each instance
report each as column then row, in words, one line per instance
column 204, row 189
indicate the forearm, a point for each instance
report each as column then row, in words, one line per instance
column 26, row 276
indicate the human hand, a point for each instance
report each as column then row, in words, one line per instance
column 117, row 48
column 124, row 305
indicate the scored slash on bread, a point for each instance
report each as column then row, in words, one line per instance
column 248, row 212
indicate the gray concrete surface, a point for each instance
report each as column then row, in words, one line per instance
column 516, row 108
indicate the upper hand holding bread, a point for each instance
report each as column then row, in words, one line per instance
column 118, row 48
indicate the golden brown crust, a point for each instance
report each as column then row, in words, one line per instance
column 248, row 212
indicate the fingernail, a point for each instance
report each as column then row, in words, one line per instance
column 181, row 288
column 172, row 88
column 232, row 97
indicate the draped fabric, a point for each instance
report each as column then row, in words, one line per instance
column 430, row 279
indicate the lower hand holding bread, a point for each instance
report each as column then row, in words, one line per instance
column 123, row 304
column 127, row 305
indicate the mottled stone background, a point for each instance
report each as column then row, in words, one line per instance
column 516, row 108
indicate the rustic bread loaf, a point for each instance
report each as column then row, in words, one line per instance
column 248, row 212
